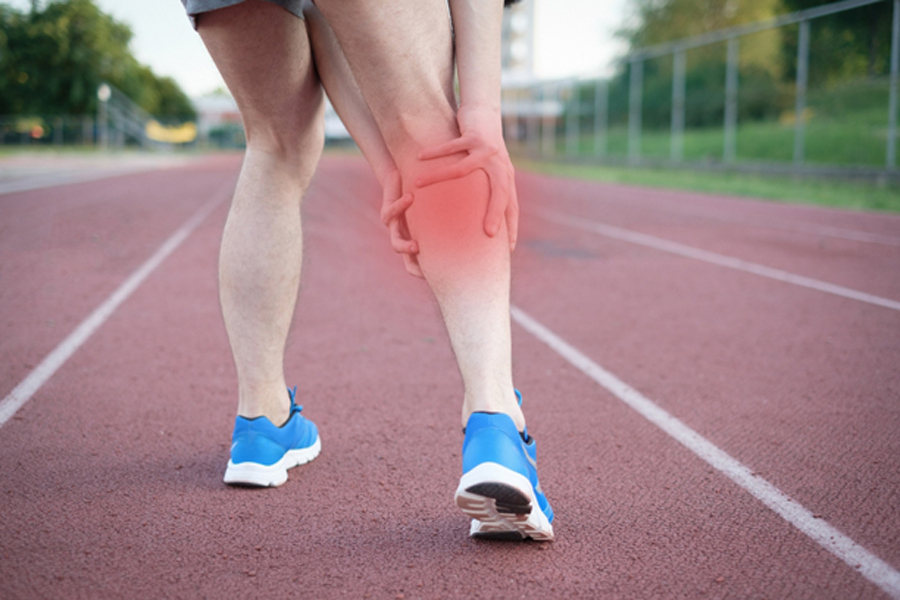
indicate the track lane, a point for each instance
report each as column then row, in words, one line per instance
column 680, row 217
column 141, row 416
column 800, row 218
column 787, row 382
column 63, row 250
column 854, row 555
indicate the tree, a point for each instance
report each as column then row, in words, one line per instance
column 761, row 65
column 852, row 43
column 53, row 59
column 660, row 21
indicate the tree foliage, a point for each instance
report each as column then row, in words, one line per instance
column 854, row 43
column 54, row 57
column 661, row 21
column 849, row 45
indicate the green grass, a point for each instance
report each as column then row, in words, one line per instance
column 824, row 192
column 846, row 125
column 828, row 142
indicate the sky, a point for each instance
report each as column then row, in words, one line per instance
column 573, row 37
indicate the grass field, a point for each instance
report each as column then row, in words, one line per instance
column 825, row 192
column 846, row 126
column 827, row 142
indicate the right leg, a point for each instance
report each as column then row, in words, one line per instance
column 401, row 55
column 263, row 54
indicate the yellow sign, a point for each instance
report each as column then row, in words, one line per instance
column 172, row 135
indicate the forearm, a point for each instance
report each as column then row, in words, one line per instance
column 345, row 95
column 477, row 26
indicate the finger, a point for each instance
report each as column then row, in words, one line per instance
column 460, row 144
column 455, row 171
column 391, row 188
column 400, row 243
column 512, row 217
column 396, row 208
column 412, row 266
column 499, row 200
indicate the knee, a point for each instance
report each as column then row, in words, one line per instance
column 292, row 139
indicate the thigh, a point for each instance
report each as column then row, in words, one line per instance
column 401, row 55
column 343, row 92
column 263, row 54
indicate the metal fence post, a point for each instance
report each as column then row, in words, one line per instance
column 573, row 119
column 58, row 131
column 87, row 131
column 802, row 77
column 103, row 95
column 892, row 103
column 534, row 120
column 731, row 100
column 102, row 126
column 679, row 68
column 634, row 109
column 601, row 116
column 507, row 113
column 548, row 123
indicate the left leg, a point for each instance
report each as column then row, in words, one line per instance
column 263, row 54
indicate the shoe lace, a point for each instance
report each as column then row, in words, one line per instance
column 295, row 408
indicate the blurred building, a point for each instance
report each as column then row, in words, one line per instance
column 521, row 108
column 518, row 43
column 219, row 121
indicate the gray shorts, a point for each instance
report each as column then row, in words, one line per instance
column 195, row 7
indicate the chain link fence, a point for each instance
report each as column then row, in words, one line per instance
column 706, row 102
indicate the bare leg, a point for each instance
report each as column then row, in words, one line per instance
column 263, row 54
column 401, row 56
column 344, row 93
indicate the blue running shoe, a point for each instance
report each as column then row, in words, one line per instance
column 499, row 488
column 261, row 453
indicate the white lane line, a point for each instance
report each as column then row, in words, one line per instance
column 23, row 392
column 69, row 175
column 663, row 205
column 788, row 225
column 870, row 566
column 721, row 260
column 26, row 184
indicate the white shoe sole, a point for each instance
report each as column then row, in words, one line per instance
column 257, row 475
column 502, row 504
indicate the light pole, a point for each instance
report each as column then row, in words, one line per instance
column 103, row 94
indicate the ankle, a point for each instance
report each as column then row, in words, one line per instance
column 506, row 403
column 274, row 405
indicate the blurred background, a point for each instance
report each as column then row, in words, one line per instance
column 772, row 86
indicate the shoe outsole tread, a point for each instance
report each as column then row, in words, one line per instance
column 502, row 505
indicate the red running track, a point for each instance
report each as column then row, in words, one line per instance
column 111, row 474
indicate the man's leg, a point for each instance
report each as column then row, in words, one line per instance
column 402, row 57
column 263, row 54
